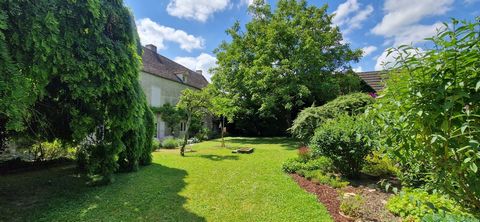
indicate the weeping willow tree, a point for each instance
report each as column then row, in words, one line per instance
column 70, row 72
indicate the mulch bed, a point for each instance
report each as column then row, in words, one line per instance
column 325, row 194
column 372, row 210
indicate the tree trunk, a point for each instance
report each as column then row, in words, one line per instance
column 185, row 138
column 288, row 118
column 223, row 126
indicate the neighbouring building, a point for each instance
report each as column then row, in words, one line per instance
column 163, row 80
column 374, row 79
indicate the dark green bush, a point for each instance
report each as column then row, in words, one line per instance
column 346, row 141
column 69, row 71
column 310, row 118
column 414, row 204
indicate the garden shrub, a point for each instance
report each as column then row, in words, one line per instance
column 304, row 154
column 320, row 163
column 52, row 150
column 292, row 165
column 156, row 144
column 323, row 177
column 170, row 143
column 448, row 217
column 379, row 165
column 310, row 118
column 431, row 114
column 346, row 141
column 414, row 204
column 352, row 205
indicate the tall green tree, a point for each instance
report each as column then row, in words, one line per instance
column 78, row 63
column 221, row 106
column 194, row 103
column 283, row 60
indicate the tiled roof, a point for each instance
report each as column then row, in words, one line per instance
column 374, row 79
column 161, row 66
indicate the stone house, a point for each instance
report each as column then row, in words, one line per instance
column 163, row 80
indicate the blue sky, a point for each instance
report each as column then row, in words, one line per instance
column 188, row 31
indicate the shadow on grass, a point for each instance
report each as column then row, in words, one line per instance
column 288, row 143
column 216, row 157
column 59, row 194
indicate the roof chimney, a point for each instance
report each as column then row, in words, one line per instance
column 151, row 47
column 199, row 71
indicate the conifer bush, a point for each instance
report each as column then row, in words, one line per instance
column 312, row 117
column 70, row 71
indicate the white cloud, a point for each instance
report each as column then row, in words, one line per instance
column 151, row 32
column 358, row 69
column 401, row 18
column 350, row 14
column 202, row 62
column 343, row 10
column 249, row 2
column 199, row 10
column 385, row 62
column 368, row 50
column 468, row 2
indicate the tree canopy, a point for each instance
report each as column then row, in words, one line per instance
column 70, row 71
column 283, row 60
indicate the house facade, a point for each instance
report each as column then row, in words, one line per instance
column 163, row 80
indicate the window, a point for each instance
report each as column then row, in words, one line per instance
column 156, row 96
column 182, row 77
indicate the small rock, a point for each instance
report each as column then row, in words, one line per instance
column 349, row 194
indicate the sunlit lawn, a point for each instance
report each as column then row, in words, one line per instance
column 210, row 184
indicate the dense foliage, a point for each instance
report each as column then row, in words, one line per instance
column 414, row 204
column 378, row 164
column 193, row 103
column 171, row 143
column 70, row 72
column 431, row 114
column 284, row 59
column 319, row 169
column 170, row 115
column 346, row 141
column 321, row 163
column 310, row 118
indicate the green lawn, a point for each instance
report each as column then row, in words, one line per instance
column 210, row 184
